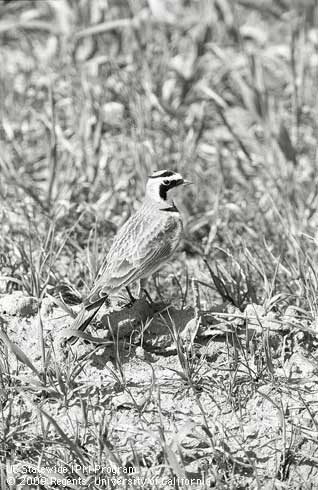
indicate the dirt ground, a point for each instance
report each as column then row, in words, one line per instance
column 217, row 393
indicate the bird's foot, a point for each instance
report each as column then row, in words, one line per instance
column 132, row 299
column 146, row 295
column 143, row 294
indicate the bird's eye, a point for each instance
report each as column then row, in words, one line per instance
column 166, row 182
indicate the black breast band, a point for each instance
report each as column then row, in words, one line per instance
column 172, row 209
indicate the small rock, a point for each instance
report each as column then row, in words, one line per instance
column 47, row 306
column 140, row 352
column 85, row 49
column 237, row 319
column 160, row 333
column 113, row 113
column 188, row 334
column 110, row 366
column 123, row 322
column 290, row 319
column 254, row 313
column 298, row 366
column 18, row 304
column 258, row 321
column 255, row 316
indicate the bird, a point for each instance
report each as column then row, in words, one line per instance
column 140, row 248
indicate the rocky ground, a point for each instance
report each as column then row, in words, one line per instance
column 217, row 395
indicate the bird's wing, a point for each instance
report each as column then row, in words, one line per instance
column 129, row 263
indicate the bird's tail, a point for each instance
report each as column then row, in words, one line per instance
column 84, row 317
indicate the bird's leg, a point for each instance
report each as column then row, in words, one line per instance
column 155, row 277
column 141, row 287
column 131, row 297
column 142, row 291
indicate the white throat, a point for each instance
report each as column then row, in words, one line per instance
column 161, row 188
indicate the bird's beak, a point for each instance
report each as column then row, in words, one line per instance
column 187, row 182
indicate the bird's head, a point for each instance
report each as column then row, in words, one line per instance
column 161, row 182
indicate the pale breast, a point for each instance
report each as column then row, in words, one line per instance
column 164, row 227
column 148, row 229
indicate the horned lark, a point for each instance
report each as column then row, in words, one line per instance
column 144, row 243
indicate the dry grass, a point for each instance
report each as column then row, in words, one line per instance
column 221, row 388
